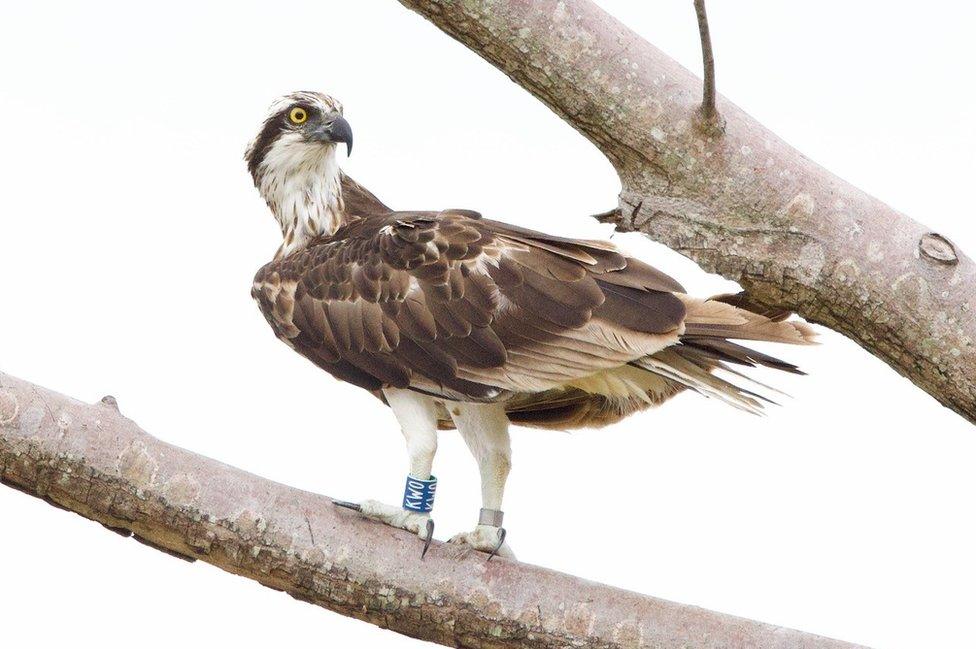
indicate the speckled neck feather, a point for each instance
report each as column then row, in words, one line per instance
column 302, row 186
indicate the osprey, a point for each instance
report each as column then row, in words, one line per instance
column 457, row 321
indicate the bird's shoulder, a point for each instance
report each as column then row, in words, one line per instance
column 423, row 244
column 376, row 263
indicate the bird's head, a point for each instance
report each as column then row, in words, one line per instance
column 300, row 129
column 293, row 163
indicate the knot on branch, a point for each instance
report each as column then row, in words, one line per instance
column 937, row 248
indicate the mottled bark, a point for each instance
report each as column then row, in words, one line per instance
column 90, row 459
column 739, row 201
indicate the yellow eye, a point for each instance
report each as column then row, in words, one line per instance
column 298, row 115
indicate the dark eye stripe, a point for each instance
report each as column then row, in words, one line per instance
column 272, row 128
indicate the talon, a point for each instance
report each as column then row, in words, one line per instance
column 501, row 542
column 348, row 505
column 430, row 537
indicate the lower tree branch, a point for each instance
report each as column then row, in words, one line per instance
column 90, row 459
column 740, row 202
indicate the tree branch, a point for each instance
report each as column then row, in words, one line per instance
column 708, row 109
column 90, row 459
column 743, row 204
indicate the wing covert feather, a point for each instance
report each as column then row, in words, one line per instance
column 462, row 307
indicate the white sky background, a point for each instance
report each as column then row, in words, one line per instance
column 129, row 233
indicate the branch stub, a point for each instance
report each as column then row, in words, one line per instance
column 110, row 401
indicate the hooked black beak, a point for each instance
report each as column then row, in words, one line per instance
column 337, row 131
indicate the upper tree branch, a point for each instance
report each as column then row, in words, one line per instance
column 745, row 205
column 90, row 459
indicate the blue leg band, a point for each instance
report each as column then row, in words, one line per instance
column 418, row 495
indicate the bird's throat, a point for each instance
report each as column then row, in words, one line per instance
column 306, row 199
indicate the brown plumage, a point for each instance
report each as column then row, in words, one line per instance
column 456, row 321
column 566, row 333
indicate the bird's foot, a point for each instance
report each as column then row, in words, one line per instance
column 419, row 523
column 485, row 538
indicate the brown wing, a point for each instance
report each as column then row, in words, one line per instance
column 465, row 308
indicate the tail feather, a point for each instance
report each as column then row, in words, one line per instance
column 721, row 349
column 743, row 300
column 703, row 360
column 752, row 380
column 704, row 348
column 714, row 318
column 672, row 365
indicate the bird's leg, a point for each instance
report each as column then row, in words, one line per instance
column 484, row 428
column 417, row 415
